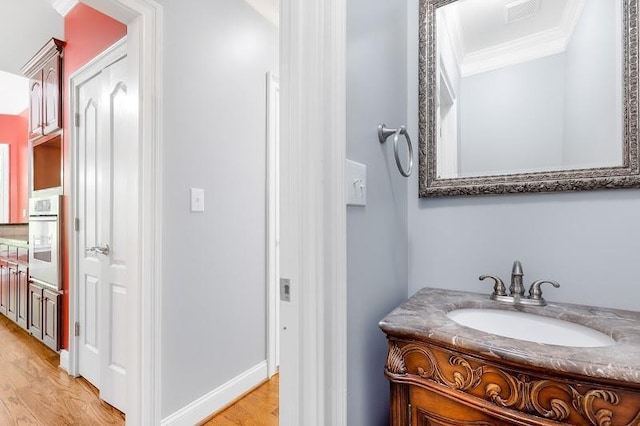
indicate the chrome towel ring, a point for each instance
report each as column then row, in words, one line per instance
column 384, row 133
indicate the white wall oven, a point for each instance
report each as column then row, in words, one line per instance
column 44, row 241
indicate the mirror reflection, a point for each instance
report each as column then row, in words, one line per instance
column 528, row 86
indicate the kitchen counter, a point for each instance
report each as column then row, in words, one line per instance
column 423, row 317
column 17, row 241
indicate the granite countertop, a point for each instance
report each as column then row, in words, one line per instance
column 18, row 241
column 423, row 317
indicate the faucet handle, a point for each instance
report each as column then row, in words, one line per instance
column 535, row 292
column 499, row 288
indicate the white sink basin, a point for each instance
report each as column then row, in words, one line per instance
column 530, row 327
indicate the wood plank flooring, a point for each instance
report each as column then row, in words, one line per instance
column 257, row 408
column 35, row 391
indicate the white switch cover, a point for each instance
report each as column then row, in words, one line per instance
column 197, row 199
column 356, row 182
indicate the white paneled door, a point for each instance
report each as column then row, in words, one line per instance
column 102, row 163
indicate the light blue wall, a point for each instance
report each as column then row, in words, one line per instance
column 216, row 55
column 376, row 233
column 588, row 241
column 531, row 95
column 593, row 90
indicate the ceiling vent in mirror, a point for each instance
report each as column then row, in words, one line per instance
column 520, row 10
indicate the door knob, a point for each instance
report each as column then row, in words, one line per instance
column 98, row 249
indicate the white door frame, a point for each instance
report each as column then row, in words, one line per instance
column 144, row 54
column 78, row 78
column 313, row 114
column 313, row 143
column 272, row 224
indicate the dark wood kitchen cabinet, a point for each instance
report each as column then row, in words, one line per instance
column 51, row 319
column 14, row 284
column 22, row 311
column 44, row 71
column 29, row 303
column 35, row 311
column 44, row 315
column 12, row 278
column 4, row 288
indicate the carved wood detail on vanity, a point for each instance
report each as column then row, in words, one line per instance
column 450, row 387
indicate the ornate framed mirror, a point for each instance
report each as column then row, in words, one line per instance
column 527, row 96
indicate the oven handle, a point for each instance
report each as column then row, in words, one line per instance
column 41, row 283
column 43, row 218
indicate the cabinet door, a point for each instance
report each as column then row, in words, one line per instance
column 12, row 307
column 35, row 310
column 50, row 320
column 431, row 408
column 52, row 120
column 35, row 106
column 22, row 313
column 4, row 289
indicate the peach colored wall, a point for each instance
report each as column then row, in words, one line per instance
column 23, row 170
column 87, row 33
column 14, row 131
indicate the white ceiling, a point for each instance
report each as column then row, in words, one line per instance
column 29, row 24
column 483, row 22
column 26, row 25
column 482, row 39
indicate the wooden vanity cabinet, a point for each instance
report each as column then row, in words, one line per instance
column 44, row 71
column 436, row 385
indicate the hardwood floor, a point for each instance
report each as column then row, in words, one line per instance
column 258, row 408
column 35, row 391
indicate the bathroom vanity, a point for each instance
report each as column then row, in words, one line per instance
column 444, row 373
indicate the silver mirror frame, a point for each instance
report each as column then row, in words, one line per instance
column 626, row 176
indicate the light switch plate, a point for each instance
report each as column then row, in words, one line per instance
column 356, row 184
column 197, row 199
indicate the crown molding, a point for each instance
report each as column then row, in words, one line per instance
column 63, row 6
column 269, row 9
column 535, row 46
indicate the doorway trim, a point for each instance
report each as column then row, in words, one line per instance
column 313, row 143
column 144, row 22
column 110, row 55
column 272, row 224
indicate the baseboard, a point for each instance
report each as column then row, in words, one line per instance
column 64, row 360
column 218, row 398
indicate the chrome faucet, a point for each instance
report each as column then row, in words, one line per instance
column 516, row 289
